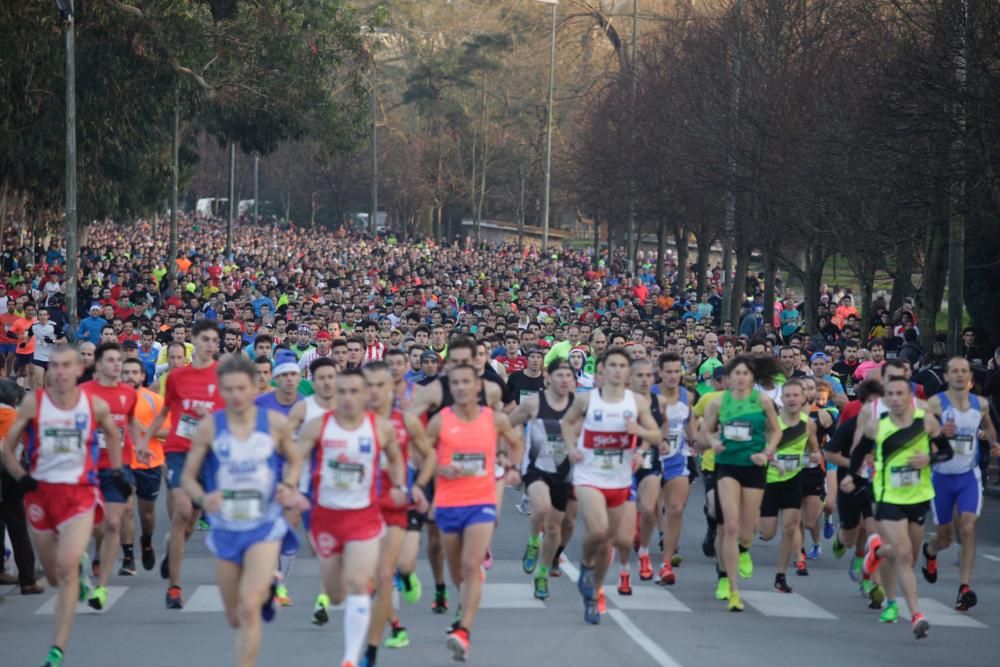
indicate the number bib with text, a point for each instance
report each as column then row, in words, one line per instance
column 242, row 505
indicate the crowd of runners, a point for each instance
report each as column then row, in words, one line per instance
column 363, row 392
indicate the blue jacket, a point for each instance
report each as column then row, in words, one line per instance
column 90, row 329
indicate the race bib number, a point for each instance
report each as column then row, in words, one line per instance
column 557, row 447
column 904, row 476
column 788, row 463
column 737, row 431
column 102, row 439
column 672, row 440
column 345, row 476
column 245, row 505
column 963, row 445
column 186, row 426
column 63, row 440
column 608, row 459
column 599, row 440
column 471, row 464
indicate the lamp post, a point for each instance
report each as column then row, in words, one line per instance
column 72, row 249
column 548, row 126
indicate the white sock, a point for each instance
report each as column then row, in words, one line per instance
column 357, row 614
column 643, row 551
column 285, row 566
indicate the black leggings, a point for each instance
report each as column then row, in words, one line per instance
column 13, row 517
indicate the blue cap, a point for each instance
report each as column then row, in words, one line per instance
column 819, row 355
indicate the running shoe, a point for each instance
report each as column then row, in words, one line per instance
column 591, row 613
column 781, row 584
column 541, row 588
column 269, row 608
column 838, row 547
column 128, row 568
column 488, row 561
column 281, row 596
column 202, row 525
column 645, row 568
column 828, row 527
column 399, row 638
column 458, row 644
column 876, row 596
column 676, row 559
column 98, row 598
column 708, row 544
column 148, row 557
column 602, row 601
column 530, row 558
column 722, row 589
column 735, row 603
column 666, row 574
column 801, row 569
column 966, row 599
column 555, row 570
column 872, row 559
column 412, row 588
column 165, row 563
column 856, row 569
column 920, row 626
column 929, row 568
column 85, row 583
column 174, row 599
column 815, row 552
column 624, row 583
column 746, row 565
column 890, row 614
column 321, row 612
column 440, row 605
column 54, row 658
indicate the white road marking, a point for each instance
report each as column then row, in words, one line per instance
column 114, row 593
column 991, row 557
column 570, row 570
column 206, row 598
column 659, row 656
column 509, row 596
column 785, row 605
column 646, row 598
column 938, row 613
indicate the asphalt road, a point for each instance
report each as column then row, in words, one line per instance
column 824, row 623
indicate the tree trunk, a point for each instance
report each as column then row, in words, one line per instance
column 597, row 241
column 928, row 301
column 739, row 283
column 769, row 269
column 704, row 249
column 661, row 249
column 683, row 255
column 902, row 282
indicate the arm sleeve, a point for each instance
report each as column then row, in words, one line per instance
column 865, row 447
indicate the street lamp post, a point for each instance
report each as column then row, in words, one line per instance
column 72, row 245
column 548, row 126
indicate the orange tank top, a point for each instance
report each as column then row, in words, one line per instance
column 472, row 447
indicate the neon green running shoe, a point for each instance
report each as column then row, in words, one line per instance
column 676, row 560
column 722, row 589
column 399, row 638
column 890, row 614
column 320, row 613
column 98, row 598
column 746, row 565
column 54, row 658
column 838, row 548
column 412, row 588
column 530, row 558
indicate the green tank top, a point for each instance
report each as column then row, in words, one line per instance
column 787, row 461
column 743, row 425
column 895, row 481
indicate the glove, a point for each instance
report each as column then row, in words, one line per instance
column 120, row 483
column 27, row 483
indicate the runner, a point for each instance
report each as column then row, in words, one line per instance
column 285, row 396
column 646, row 479
column 60, row 483
column 324, row 376
column 466, row 436
column 346, row 524
column 121, row 400
column 903, row 491
column 600, row 430
column 191, row 392
column 149, row 474
column 742, row 427
column 547, row 478
column 242, row 447
column 783, row 492
column 674, row 452
column 409, row 431
column 958, row 483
